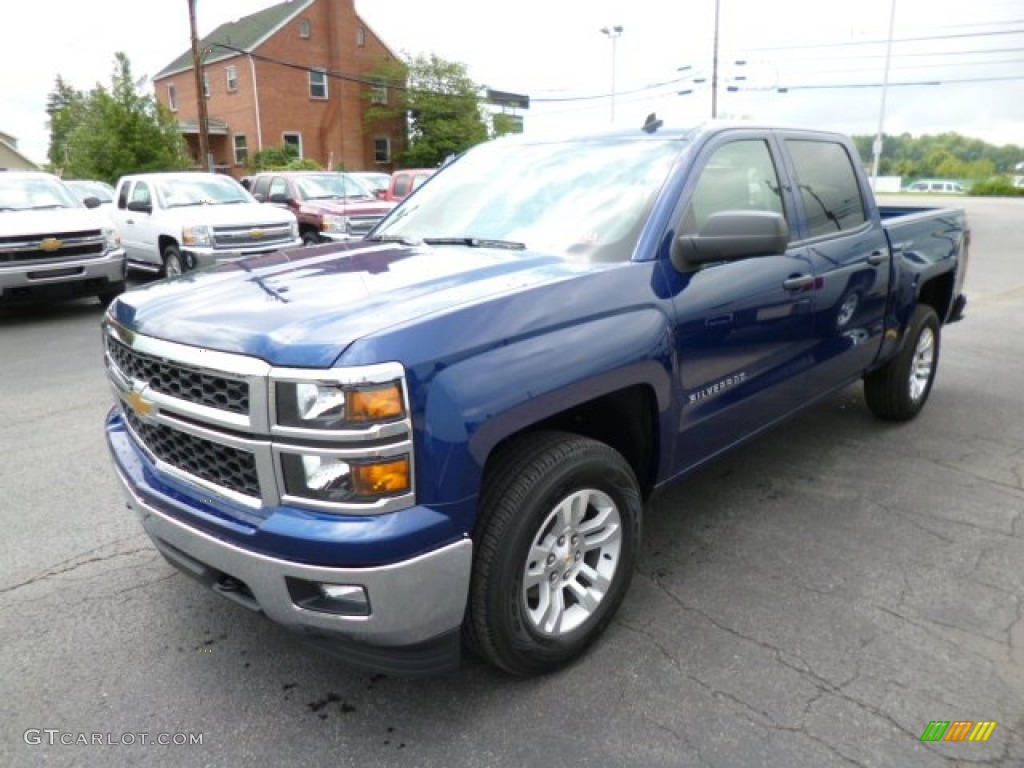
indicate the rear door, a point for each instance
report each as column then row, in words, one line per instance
column 742, row 328
column 849, row 254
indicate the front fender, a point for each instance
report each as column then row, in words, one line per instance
column 480, row 401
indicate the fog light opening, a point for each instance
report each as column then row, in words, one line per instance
column 339, row 599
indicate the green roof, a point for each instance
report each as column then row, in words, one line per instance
column 244, row 34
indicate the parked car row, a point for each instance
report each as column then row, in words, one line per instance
column 65, row 239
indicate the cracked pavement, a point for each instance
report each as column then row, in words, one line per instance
column 814, row 599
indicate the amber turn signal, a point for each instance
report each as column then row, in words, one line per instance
column 376, row 404
column 381, row 479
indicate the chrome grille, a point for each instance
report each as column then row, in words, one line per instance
column 360, row 225
column 228, row 467
column 256, row 236
column 28, row 248
column 180, row 380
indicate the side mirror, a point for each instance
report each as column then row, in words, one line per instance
column 731, row 235
column 139, row 206
column 260, row 197
column 380, row 194
column 91, row 202
column 280, row 198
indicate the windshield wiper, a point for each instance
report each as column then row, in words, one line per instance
column 48, row 207
column 394, row 239
column 475, row 242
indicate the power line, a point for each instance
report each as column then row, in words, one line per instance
column 809, row 46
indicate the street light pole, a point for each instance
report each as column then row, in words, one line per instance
column 714, row 67
column 613, row 34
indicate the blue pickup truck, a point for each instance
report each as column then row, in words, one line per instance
column 444, row 435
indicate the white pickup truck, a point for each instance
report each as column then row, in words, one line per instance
column 174, row 222
column 52, row 246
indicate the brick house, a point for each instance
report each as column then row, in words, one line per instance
column 294, row 73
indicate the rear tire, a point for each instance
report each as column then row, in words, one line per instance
column 898, row 390
column 555, row 550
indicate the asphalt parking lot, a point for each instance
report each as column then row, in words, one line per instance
column 815, row 599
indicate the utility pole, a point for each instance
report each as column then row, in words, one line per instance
column 197, row 65
column 876, row 146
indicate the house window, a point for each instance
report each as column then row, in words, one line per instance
column 241, row 150
column 231, row 76
column 379, row 94
column 304, row 29
column 172, row 97
column 317, row 84
column 206, row 84
column 293, row 139
column 361, row 37
column 382, row 149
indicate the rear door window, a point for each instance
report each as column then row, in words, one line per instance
column 828, row 186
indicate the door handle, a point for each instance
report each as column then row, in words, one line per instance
column 798, row 282
column 129, row 221
column 877, row 258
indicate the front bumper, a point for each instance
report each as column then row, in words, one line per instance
column 415, row 606
column 62, row 279
column 199, row 256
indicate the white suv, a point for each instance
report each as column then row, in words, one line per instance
column 52, row 246
column 931, row 185
column 174, row 222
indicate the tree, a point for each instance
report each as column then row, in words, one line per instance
column 440, row 103
column 944, row 154
column 110, row 132
column 65, row 106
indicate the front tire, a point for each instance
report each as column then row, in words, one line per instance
column 173, row 265
column 898, row 390
column 556, row 545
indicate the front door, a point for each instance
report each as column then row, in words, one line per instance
column 743, row 329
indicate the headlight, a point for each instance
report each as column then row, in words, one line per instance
column 326, row 405
column 201, row 234
column 111, row 240
column 331, row 479
column 334, row 224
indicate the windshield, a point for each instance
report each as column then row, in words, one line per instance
column 331, row 186
column 37, row 193
column 97, row 189
column 201, row 190
column 584, row 200
column 375, row 181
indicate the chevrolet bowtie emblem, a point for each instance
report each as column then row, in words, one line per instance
column 50, row 244
column 256, row 234
column 140, row 405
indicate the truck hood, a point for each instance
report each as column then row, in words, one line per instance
column 347, row 208
column 48, row 222
column 235, row 214
column 304, row 307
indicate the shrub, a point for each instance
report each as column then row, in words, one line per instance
column 996, row 186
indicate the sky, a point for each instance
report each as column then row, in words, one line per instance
column 954, row 66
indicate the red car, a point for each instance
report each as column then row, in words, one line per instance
column 404, row 182
column 329, row 206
